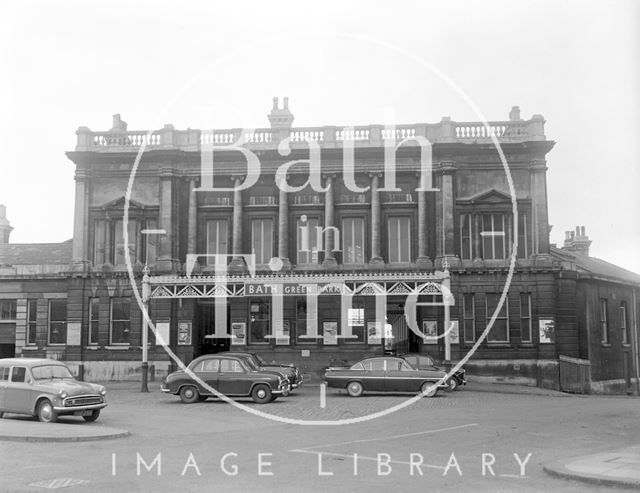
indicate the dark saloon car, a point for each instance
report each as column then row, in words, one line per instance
column 426, row 362
column 385, row 374
column 232, row 376
column 46, row 388
column 289, row 370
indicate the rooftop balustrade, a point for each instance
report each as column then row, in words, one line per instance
column 446, row 131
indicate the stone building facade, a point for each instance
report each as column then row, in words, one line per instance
column 324, row 267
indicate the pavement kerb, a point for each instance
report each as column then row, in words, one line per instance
column 25, row 430
column 87, row 438
column 558, row 469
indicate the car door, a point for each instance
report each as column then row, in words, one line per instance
column 4, row 380
column 400, row 376
column 17, row 395
column 207, row 371
column 233, row 378
column 374, row 374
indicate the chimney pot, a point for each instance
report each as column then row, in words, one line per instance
column 286, row 103
column 275, row 103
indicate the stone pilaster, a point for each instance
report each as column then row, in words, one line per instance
column 166, row 260
column 376, row 258
column 283, row 229
column 329, row 220
column 422, row 261
column 236, row 235
column 192, row 219
column 446, row 217
column 540, row 214
column 80, row 233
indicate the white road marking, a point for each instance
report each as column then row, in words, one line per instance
column 393, row 437
column 362, row 457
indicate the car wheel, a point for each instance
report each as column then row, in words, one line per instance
column 261, row 394
column 355, row 389
column 46, row 414
column 429, row 389
column 453, row 384
column 189, row 394
column 93, row 416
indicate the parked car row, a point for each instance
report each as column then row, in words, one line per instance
column 47, row 389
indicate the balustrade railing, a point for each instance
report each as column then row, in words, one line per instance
column 269, row 138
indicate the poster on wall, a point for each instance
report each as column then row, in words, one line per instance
column 330, row 332
column 162, row 333
column 454, row 332
column 184, row 333
column 547, row 331
column 285, row 330
column 73, row 333
column 374, row 333
column 430, row 331
column 238, row 333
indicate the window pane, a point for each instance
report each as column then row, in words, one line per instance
column 465, row 236
column 8, row 310
column 262, row 240
column 120, row 322
column 308, row 241
column 260, row 321
column 57, row 321
column 94, row 315
column 523, row 247
column 99, row 242
column 217, row 234
column 151, row 242
column 118, row 236
column 353, row 240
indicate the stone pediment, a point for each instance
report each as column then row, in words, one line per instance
column 119, row 203
column 492, row 196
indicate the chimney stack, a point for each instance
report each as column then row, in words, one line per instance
column 280, row 118
column 5, row 227
column 514, row 114
column 577, row 241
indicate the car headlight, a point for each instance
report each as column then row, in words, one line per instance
column 62, row 393
column 102, row 391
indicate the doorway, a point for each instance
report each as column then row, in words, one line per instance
column 205, row 322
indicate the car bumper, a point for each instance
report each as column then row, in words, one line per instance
column 165, row 390
column 73, row 409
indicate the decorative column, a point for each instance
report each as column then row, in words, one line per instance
column 236, row 239
column 376, row 258
column 423, row 261
column 540, row 216
column 283, row 229
column 193, row 217
column 166, row 261
column 447, row 238
column 79, row 257
column 329, row 219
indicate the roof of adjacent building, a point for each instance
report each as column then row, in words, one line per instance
column 35, row 253
column 594, row 266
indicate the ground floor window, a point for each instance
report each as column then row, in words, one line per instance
column 120, row 320
column 260, row 321
column 469, row 319
column 525, row 317
column 32, row 315
column 623, row 322
column 57, row 321
column 604, row 326
column 94, row 318
column 500, row 330
column 356, row 320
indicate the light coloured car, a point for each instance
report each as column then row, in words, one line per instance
column 47, row 389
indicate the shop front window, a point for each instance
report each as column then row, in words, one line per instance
column 260, row 321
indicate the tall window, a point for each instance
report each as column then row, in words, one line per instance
column 217, row 238
column 500, row 330
column 493, row 236
column 353, row 240
column 469, row 320
column 523, row 244
column 623, row 322
column 99, row 242
column 309, row 240
column 356, row 320
column 32, row 316
column 94, row 319
column 109, row 246
column 57, row 321
column 604, row 326
column 150, row 243
column 120, row 320
column 262, row 240
column 260, row 321
column 466, row 240
column 525, row 317
column 399, row 239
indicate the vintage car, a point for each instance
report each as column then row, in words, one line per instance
column 426, row 362
column 385, row 374
column 46, row 388
column 289, row 370
column 233, row 376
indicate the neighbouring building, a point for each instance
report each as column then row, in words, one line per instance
column 325, row 267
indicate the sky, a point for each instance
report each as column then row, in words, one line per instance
column 211, row 64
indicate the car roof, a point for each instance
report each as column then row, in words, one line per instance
column 30, row 361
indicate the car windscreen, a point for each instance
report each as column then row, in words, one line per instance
column 48, row 372
column 261, row 361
